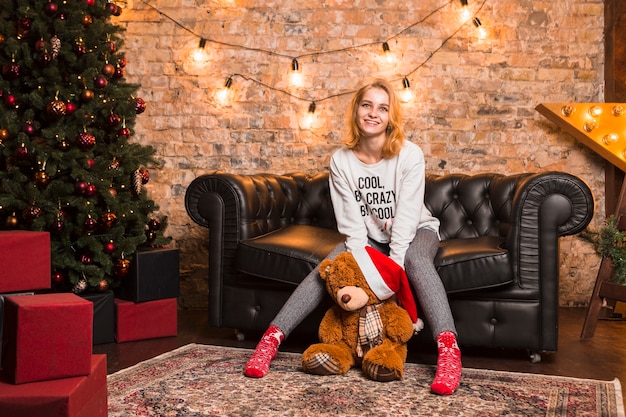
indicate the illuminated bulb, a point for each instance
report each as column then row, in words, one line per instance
column 465, row 13
column 595, row 111
column 406, row 94
column 387, row 51
column 610, row 138
column 310, row 115
column 617, row 110
column 567, row 111
column 295, row 75
column 590, row 125
column 224, row 94
column 481, row 31
column 200, row 54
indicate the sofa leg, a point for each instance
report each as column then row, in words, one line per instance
column 535, row 356
column 239, row 335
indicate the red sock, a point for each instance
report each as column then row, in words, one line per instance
column 449, row 366
column 259, row 363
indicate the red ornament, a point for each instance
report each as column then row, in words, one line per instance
column 100, row 82
column 90, row 224
column 113, row 120
column 145, row 176
column 29, row 129
column 85, row 141
column 90, row 163
column 80, row 49
column 58, row 278
column 90, row 3
column 31, row 212
column 70, row 107
column 23, row 26
column 51, row 8
column 91, row 190
column 80, row 187
column 109, row 247
column 124, row 132
column 112, row 46
column 121, row 62
column 119, row 72
column 58, row 226
column 40, row 45
column 10, row 100
column 22, row 153
column 154, row 225
column 140, row 105
column 11, row 71
column 86, row 259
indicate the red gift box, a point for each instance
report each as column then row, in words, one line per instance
column 147, row 320
column 25, row 260
column 47, row 336
column 83, row 396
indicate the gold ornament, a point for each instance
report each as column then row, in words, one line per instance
column 122, row 267
column 4, row 135
column 109, row 219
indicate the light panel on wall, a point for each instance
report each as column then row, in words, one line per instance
column 599, row 126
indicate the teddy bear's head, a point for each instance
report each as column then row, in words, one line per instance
column 346, row 283
column 366, row 277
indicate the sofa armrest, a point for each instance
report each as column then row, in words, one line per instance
column 545, row 207
column 235, row 207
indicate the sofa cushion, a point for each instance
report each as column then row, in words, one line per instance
column 287, row 254
column 473, row 263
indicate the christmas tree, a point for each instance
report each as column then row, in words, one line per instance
column 68, row 164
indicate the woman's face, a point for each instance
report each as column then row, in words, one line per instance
column 373, row 112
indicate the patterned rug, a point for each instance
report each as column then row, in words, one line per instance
column 201, row 380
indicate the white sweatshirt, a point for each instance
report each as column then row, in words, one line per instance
column 382, row 201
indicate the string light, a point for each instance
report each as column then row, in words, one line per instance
column 481, row 31
column 406, row 95
column 200, row 54
column 310, row 116
column 295, row 73
column 387, row 52
column 224, row 94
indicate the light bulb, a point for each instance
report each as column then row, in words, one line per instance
column 406, row 94
column 610, row 138
column 595, row 111
column 295, row 75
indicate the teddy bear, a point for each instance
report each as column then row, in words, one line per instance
column 365, row 326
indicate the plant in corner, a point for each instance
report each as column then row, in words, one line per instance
column 609, row 242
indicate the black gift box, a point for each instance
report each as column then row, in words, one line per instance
column 103, row 316
column 154, row 275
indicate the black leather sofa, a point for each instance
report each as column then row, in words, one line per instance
column 498, row 259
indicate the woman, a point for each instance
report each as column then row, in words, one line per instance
column 377, row 188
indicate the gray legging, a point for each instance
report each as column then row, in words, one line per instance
column 420, row 269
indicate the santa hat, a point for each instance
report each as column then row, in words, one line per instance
column 386, row 278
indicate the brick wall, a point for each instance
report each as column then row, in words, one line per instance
column 472, row 110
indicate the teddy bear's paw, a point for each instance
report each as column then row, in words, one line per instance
column 322, row 363
column 381, row 373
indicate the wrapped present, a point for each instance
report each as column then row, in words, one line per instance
column 25, row 260
column 46, row 336
column 154, row 275
column 83, row 396
column 103, row 316
column 147, row 320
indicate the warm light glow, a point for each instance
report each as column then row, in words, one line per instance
column 406, row 95
column 598, row 126
column 389, row 56
column 295, row 75
column 310, row 116
column 225, row 94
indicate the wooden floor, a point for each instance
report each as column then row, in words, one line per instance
column 601, row 357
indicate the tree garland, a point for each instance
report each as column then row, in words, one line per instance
column 609, row 242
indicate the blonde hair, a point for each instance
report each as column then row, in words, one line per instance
column 395, row 132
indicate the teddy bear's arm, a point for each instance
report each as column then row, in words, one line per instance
column 397, row 323
column 330, row 329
